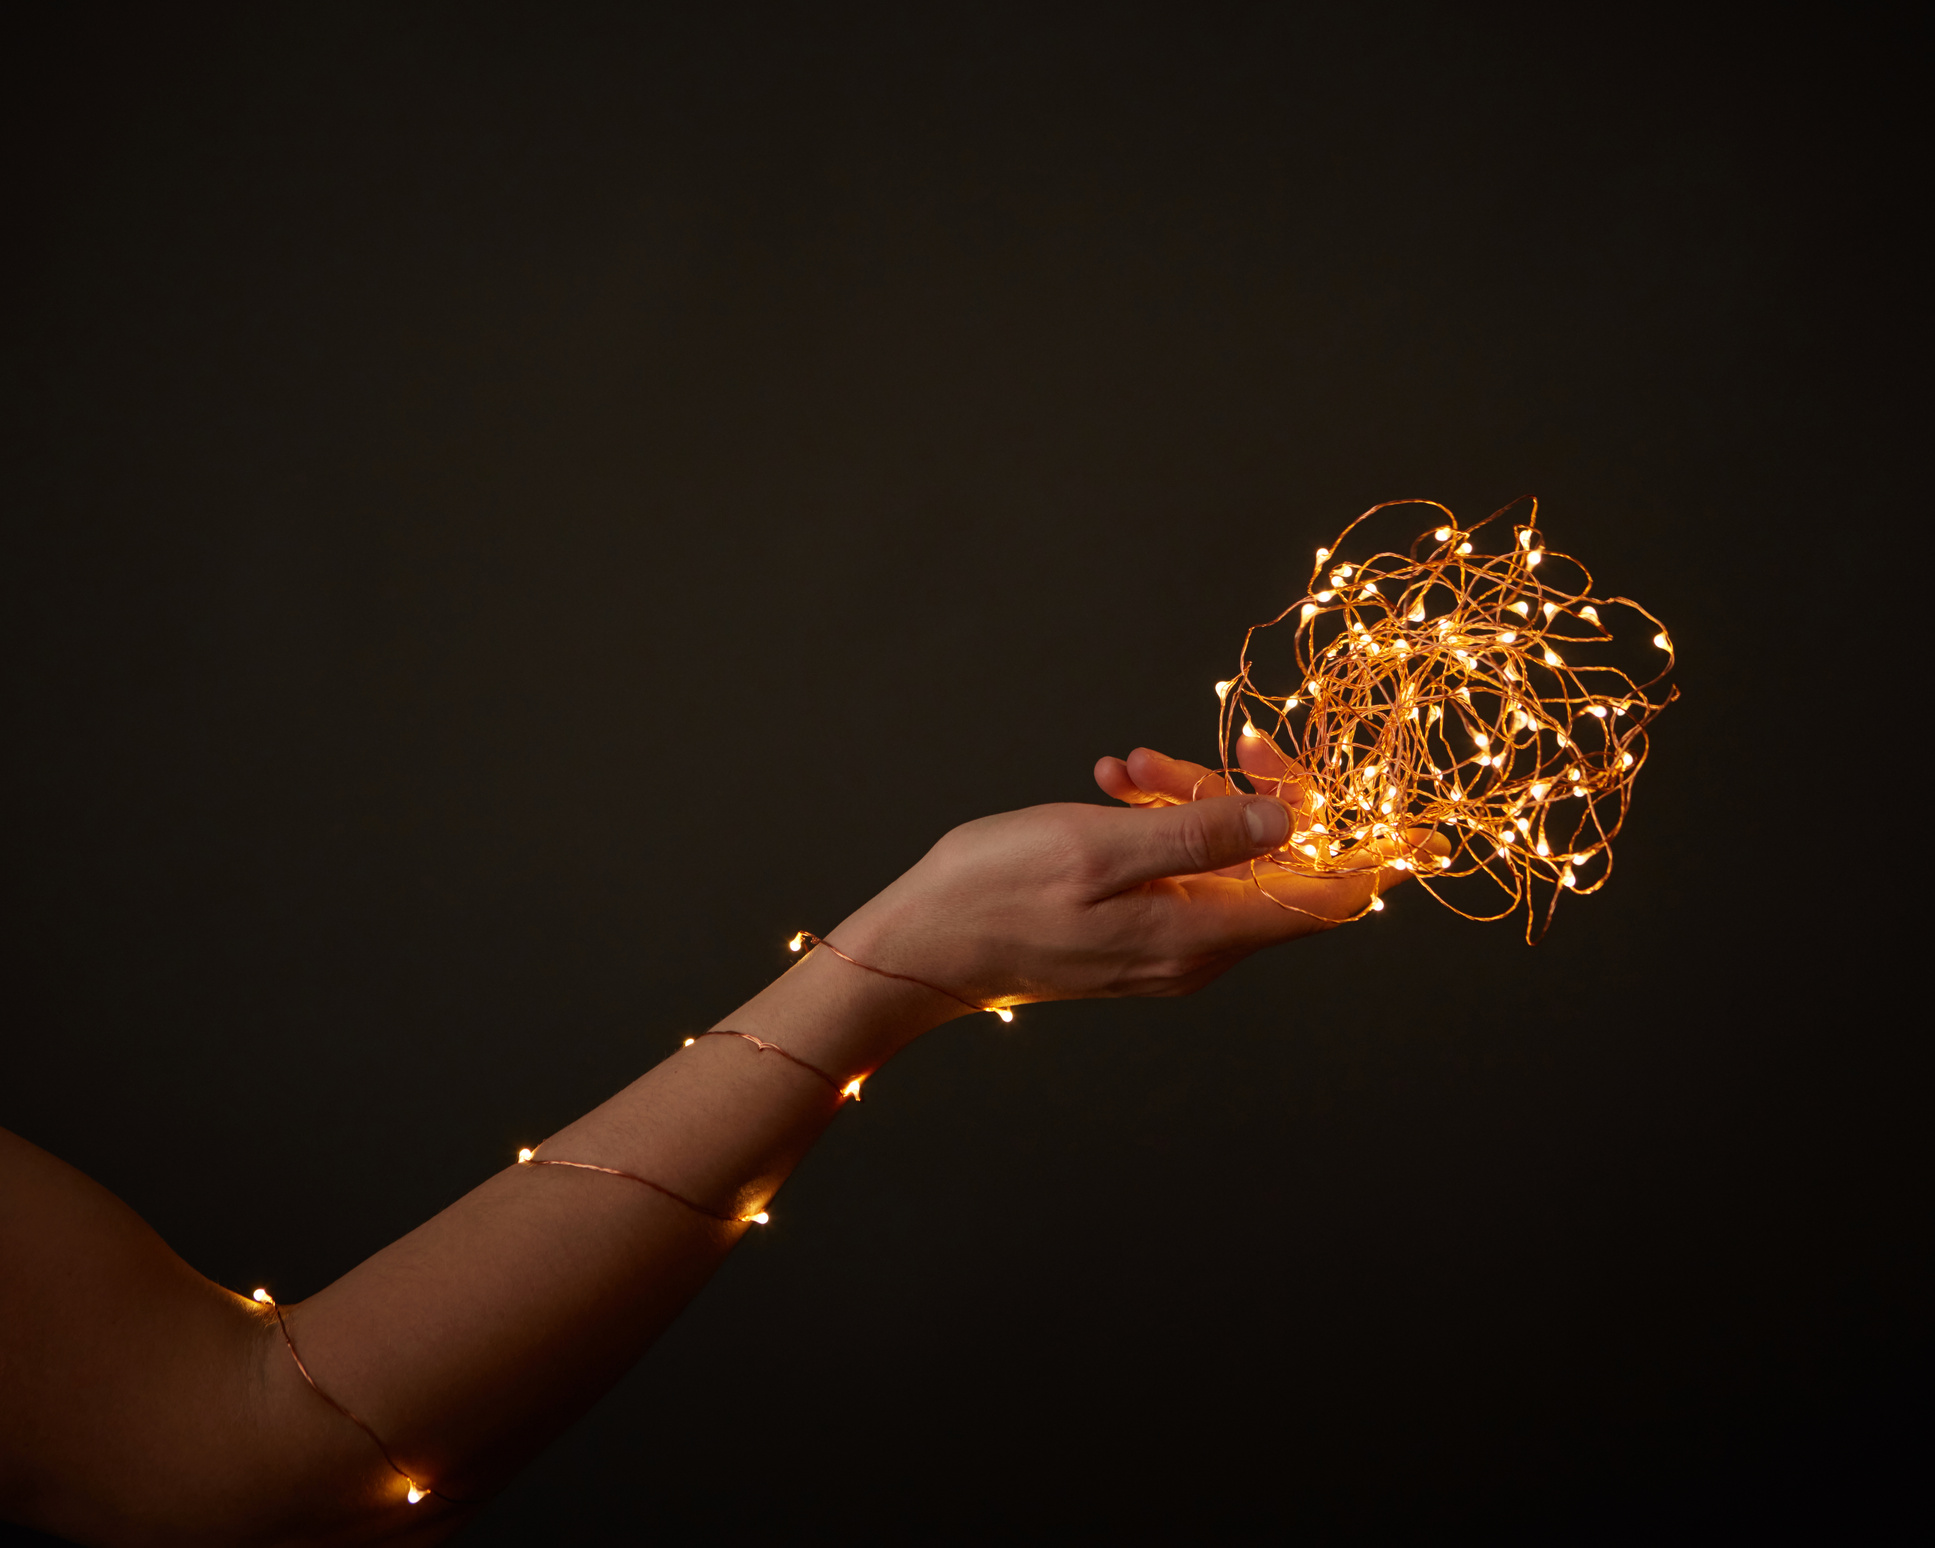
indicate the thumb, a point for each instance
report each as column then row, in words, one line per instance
column 1201, row 836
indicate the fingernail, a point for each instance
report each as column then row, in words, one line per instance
column 1268, row 822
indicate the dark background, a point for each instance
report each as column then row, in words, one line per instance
column 511, row 512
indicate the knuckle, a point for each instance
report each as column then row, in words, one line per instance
column 1196, row 839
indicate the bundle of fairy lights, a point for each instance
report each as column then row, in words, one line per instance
column 1464, row 691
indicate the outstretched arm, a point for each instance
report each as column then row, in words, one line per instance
column 144, row 1404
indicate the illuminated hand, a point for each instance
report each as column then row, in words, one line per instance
column 1076, row 902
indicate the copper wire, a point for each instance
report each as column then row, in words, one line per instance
column 282, row 1323
column 612, row 1171
column 1444, row 688
column 905, row 978
column 765, row 1047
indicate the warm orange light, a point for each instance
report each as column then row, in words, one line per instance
column 264, row 1297
column 1004, row 1013
column 524, row 1156
column 796, row 942
column 851, row 1089
column 417, row 1494
column 1386, row 690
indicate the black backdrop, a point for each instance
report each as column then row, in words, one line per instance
column 514, row 511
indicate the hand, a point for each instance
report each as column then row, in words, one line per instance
column 1075, row 902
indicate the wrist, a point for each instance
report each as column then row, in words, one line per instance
column 839, row 1016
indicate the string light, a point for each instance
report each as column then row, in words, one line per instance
column 906, row 978
column 1477, row 670
column 416, row 1491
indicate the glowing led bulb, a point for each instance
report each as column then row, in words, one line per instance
column 1552, row 657
column 1596, row 709
column 1004, row 1013
column 1626, row 760
column 1567, row 879
column 1543, row 849
column 1521, row 609
column 796, row 942
column 1292, row 702
column 1377, row 905
column 1309, row 610
column 264, row 1297
column 1481, row 739
column 1589, row 613
column 1370, row 588
column 523, row 1156
column 1507, row 637
column 417, row 1494
column 690, row 1041
column 1538, row 792
column 1322, row 555
column 1250, row 730
column 851, row 1089
column 759, row 1219
column 1534, row 556
column 1325, row 596
column 1317, row 802
column 1442, row 533
column 1525, row 537
column 1464, row 548
column 1416, row 615
column 1222, row 689
column 1400, row 865
column 1551, row 608
column 1309, row 849
column 1663, row 642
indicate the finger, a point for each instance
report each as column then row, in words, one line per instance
column 1175, row 778
column 1271, row 770
column 1190, row 839
column 1112, row 774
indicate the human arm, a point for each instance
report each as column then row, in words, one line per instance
column 470, row 1342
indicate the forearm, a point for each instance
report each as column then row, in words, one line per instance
column 470, row 1342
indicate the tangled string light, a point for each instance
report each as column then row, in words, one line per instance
column 1456, row 690
column 415, row 1490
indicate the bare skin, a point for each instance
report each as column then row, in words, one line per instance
column 145, row 1405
